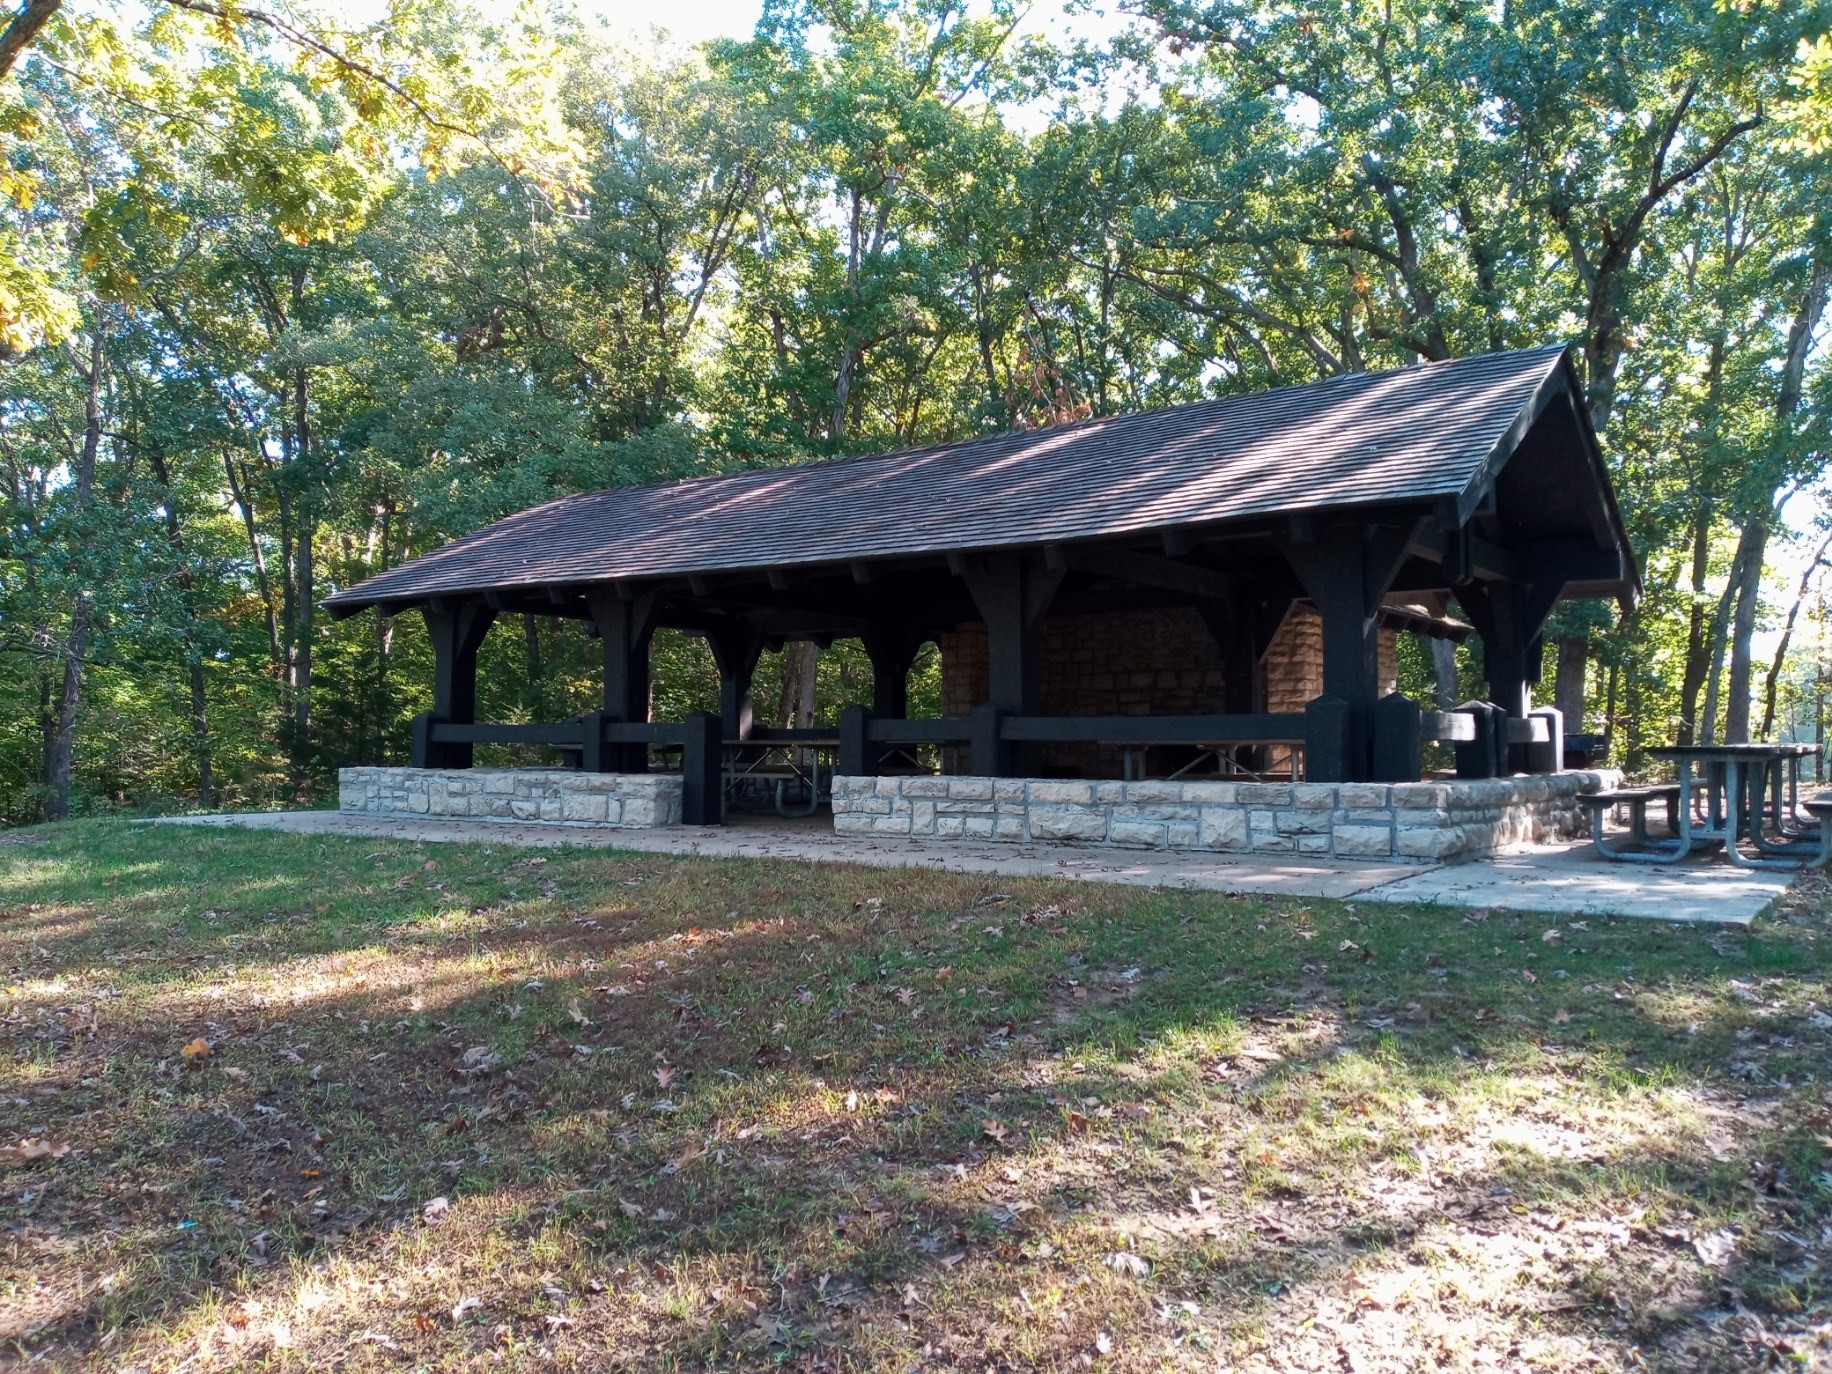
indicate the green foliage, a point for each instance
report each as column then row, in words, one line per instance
column 358, row 291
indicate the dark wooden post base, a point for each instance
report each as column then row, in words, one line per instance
column 457, row 632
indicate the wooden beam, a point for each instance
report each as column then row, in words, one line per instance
column 1464, row 555
column 1150, row 571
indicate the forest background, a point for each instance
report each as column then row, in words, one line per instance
column 288, row 296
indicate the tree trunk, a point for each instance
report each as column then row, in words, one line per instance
column 76, row 649
column 239, row 493
column 1772, row 685
column 1714, row 652
column 200, row 719
column 1444, row 673
column 1569, row 679
column 808, row 680
column 795, row 702
column 1749, row 598
column 303, row 580
column 1609, row 709
column 17, row 36
column 304, row 615
column 1697, row 659
column 537, row 672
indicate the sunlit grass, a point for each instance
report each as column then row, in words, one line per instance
column 465, row 1106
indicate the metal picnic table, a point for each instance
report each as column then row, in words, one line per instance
column 780, row 766
column 1734, row 793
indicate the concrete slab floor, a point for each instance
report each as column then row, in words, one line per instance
column 1558, row 879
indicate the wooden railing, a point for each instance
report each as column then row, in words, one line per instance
column 1488, row 744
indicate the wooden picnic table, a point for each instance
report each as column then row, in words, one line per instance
column 1732, row 793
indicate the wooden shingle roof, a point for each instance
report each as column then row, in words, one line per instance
column 1416, row 434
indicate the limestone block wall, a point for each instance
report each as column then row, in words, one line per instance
column 555, row 795
column 1423, row 821
column 1294, row 663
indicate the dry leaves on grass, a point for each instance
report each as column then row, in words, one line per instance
column 31, row 1150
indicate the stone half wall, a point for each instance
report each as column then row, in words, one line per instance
column 555, row 795
column 1424, row 821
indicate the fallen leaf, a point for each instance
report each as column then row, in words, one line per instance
column 434, row 1211
column 994, row 1130
column 664, row 1076
column 1127, row 1264
column 1716, row 1250
column 197, row 1049
column 465, row 1307
column 574, row 1010
column 31, row 1149
column 1552, row 937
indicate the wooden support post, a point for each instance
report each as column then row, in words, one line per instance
column 1399, row 739
column 1236, row 624
column 702, row 771
column 1012, row 591
column 892, row 648
column 735, row 649
column 1346, row 570
column 420, row 750
column 1328, row 735
column 625, row 626
column 457, row 633
column 594, row 755
column 988, row 756
column 1510, row 616
column 1549, row 756
column 858, row 756
column 1485, row 756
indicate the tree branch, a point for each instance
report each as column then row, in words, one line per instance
column 23, row 28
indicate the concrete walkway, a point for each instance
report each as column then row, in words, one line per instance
column 1556, row 879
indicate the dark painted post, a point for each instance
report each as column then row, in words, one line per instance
column 1011, row 592
column 702, row 771
column 988, row 756
column 1328, row 733
column 594, row 755
column 1399, row 739
column 892, row 649
column 1510, row 617
column 457, row 632
column 1346, row 570
column 1548, row 757
column 421, row 750
column 1236, row 624
column 858, row 755
column 735, row 649
column 1486, row 755
column 625, row 625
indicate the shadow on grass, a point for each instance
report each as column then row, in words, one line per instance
column 688, row 1113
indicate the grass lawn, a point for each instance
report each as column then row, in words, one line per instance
column 291, row 1102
